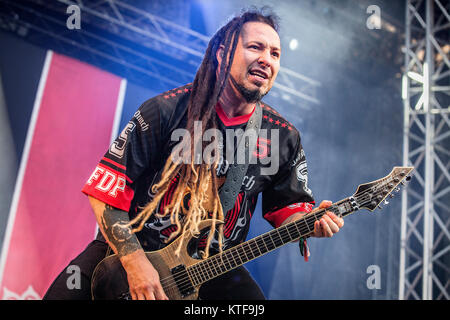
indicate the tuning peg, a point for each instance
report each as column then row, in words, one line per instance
column 386, row 202
column 391, row 195
column 402, row 183
column 408, row 178
column 397, row 189
column 380, row 207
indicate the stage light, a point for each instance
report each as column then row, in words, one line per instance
column 293, row 44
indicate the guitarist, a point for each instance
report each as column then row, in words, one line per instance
column 138, row 176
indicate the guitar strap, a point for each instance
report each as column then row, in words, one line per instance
column 236, row 172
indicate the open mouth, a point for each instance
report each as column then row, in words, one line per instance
column 259, row 75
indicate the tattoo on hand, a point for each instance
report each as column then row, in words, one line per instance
column 119, row 235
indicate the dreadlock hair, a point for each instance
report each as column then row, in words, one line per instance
column 199, row 181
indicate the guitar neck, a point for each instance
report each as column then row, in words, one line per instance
column 238, row 255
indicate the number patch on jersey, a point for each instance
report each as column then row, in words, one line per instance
column 118, row 146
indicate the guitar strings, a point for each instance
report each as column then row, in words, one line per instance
column 379, row 192
column 186, row 283
column 170, row 281
column 207, row 265
column 210, row 263
column 259, row 238
column 363, row 201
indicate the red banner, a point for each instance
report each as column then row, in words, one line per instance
column 51, row 221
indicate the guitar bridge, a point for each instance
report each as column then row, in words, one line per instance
column 182, row 280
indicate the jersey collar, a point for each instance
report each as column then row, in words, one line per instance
column 232, row 121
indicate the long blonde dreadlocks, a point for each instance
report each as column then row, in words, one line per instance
column 199, row 181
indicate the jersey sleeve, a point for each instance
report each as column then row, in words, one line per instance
column 288, row 192
column 129, row 155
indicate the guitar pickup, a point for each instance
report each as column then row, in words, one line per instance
column 182, row 280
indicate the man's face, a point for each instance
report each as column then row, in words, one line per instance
column 256, row 60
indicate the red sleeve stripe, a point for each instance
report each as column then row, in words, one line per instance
column 277, row 217
column 118, row 165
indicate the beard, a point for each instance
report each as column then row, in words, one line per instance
column 249, row 95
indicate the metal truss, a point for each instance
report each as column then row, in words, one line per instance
column 425, row 237
column 141, row 44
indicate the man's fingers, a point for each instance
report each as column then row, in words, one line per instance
column 331, row 225
column 160, row 294
column 317, row 229
column 140, row 296
column 338, row 221
column 147, row 294
column 326, row 231
column 325, row 204
column 144, row 294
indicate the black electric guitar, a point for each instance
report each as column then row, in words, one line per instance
column 182, row 276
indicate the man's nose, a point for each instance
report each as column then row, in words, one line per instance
column 264, row 59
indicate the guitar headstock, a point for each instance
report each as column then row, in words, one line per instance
column 370, row 195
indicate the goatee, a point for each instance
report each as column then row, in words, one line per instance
column 249, row 95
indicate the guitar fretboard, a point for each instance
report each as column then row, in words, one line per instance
column 238, row 255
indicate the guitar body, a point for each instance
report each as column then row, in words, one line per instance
column 109, row 280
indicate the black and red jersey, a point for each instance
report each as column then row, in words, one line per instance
column 125, row 175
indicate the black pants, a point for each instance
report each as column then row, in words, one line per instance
column 234, row 285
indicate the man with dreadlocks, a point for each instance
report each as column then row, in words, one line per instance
column 143, row 198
